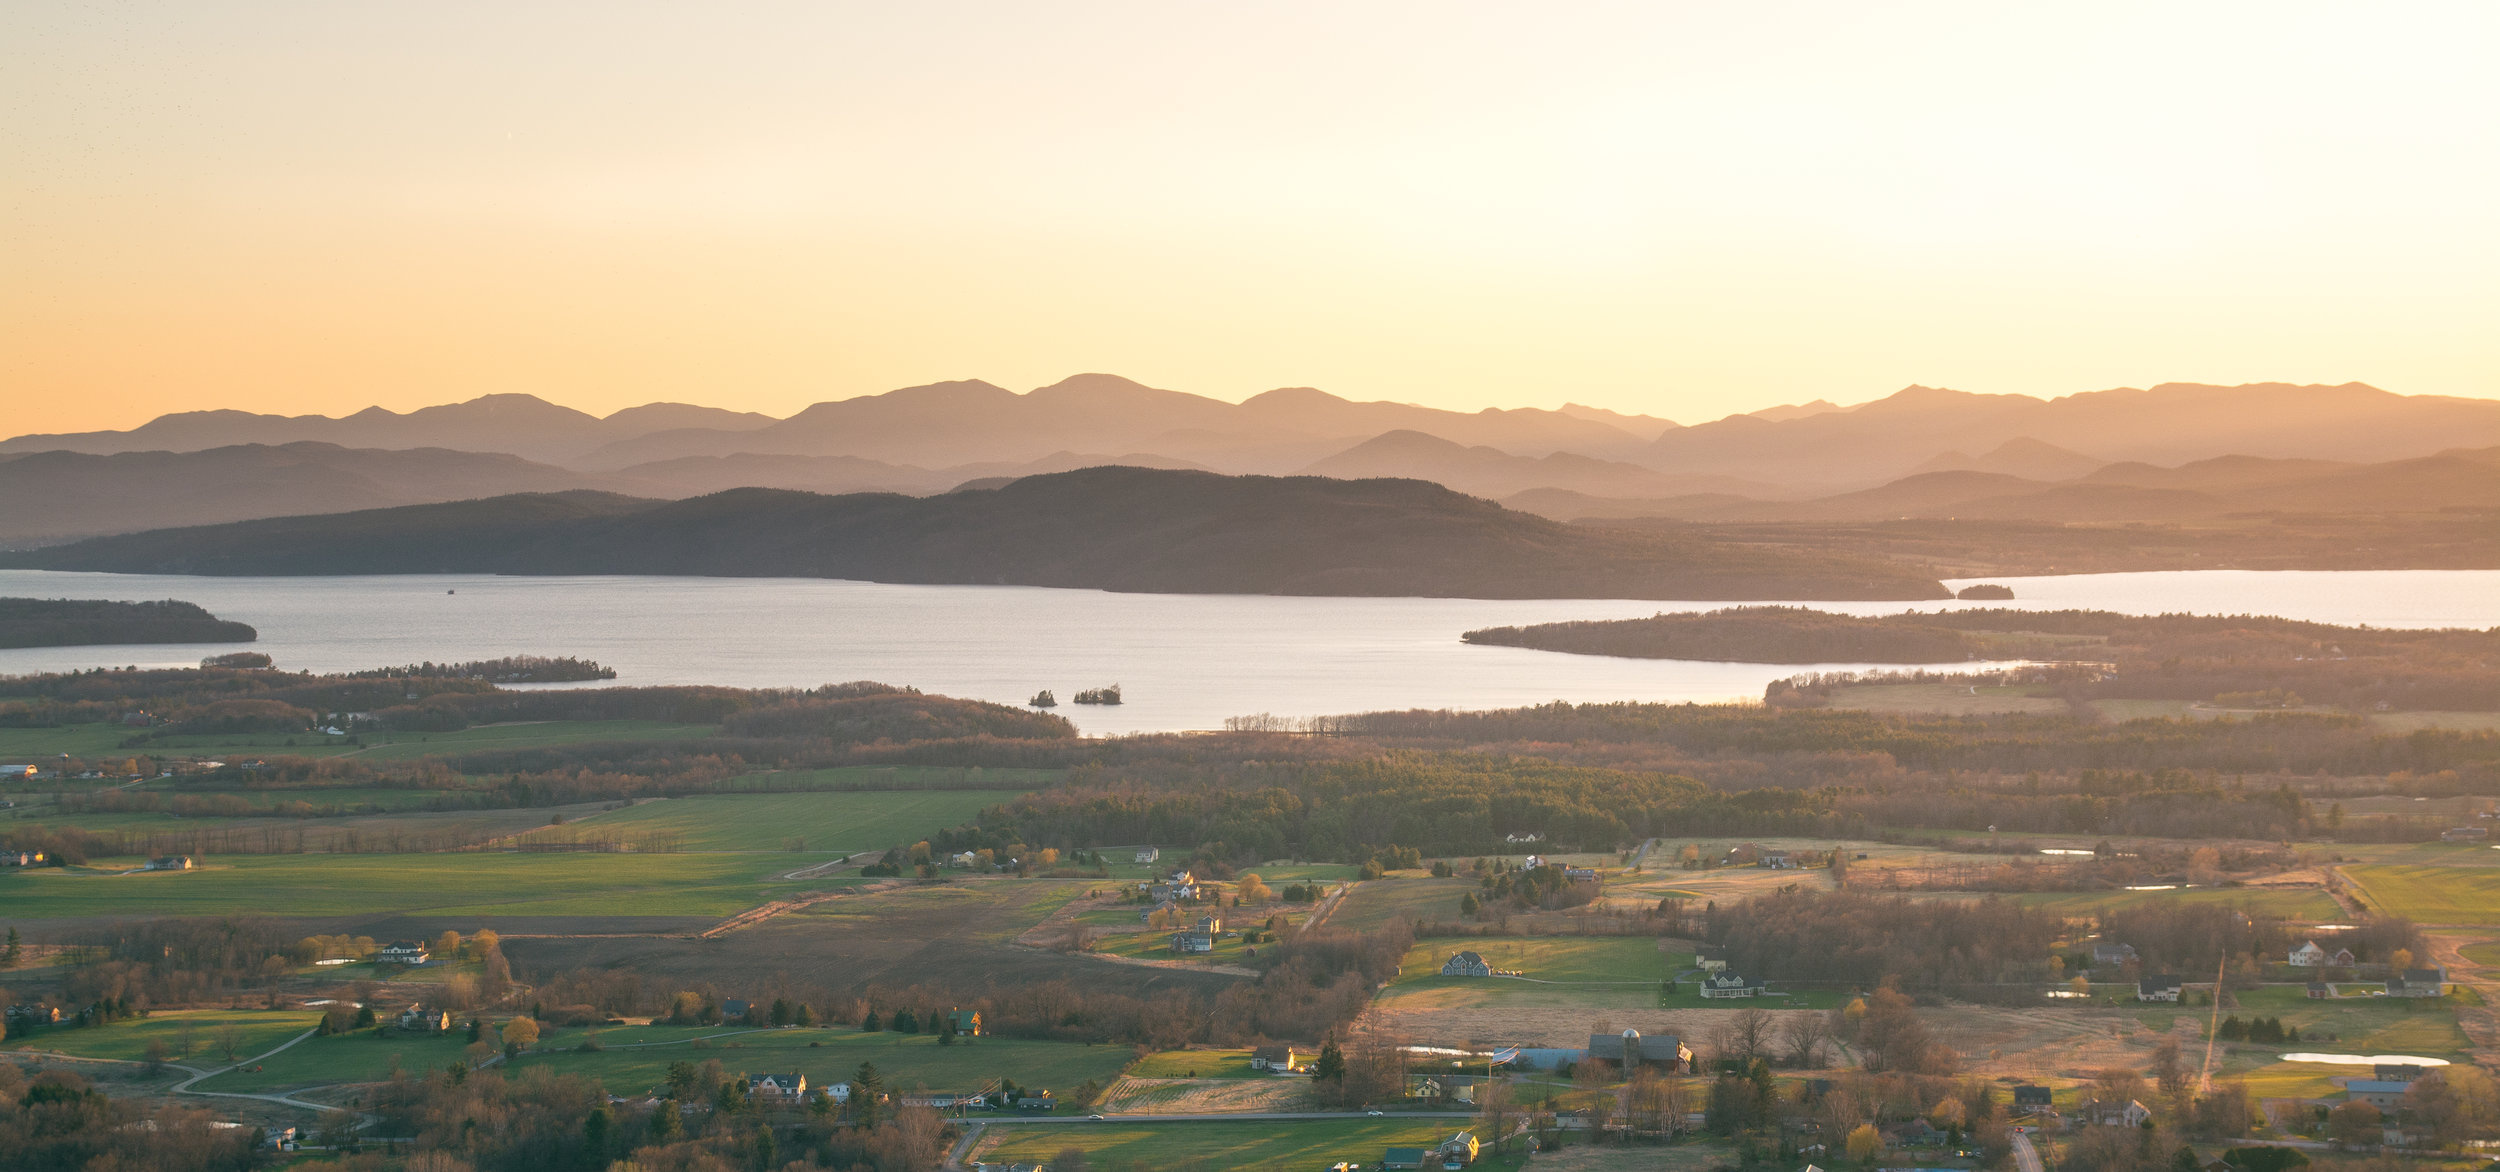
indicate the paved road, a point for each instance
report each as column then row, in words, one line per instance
column 2026, row 1157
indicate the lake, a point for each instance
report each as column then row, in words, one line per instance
column 1184, row 661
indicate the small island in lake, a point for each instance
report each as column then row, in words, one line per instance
column 1988, row 591
column 511, row 669
column 83, row 622
column 1110, row 695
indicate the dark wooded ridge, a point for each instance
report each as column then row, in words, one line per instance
column 73, row 622
column 1111, row 528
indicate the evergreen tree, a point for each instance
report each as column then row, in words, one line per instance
column 595, row 1138
column 12, row 951
column 1331, row 1064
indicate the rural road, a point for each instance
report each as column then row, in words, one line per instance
column 184, row 1087
column 1233, row 1117
column 2026, row 1157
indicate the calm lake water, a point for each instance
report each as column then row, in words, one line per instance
column 1184, row 661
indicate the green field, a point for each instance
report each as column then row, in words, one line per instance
column 459, row 884
column 892, row 777
column 2299, row 904
column 1301, row 1146
column 1197, row 1064
column 1378, row 902
column 2350, row 1024
column 2430, row 894
column 128, row 1039
column 906, row 1061
column 2486, row 952
column 825, row 822
column 105, row 740
column 1579, row 972
column 24, row 745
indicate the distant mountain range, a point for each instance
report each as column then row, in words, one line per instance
column 1129, row 529
column 2462, row 479
column 2106, row 455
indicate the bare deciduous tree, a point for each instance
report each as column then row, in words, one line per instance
column 1804, row 1037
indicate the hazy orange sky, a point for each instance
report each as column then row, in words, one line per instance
column 1684, row 209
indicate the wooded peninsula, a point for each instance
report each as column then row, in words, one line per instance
column 75, row 622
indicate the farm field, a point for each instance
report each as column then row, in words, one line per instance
column 637, row 1060
column 343, row 1058
column 1198, row 1064
column 824, row 822
column 893, row 777
column 2429, row 894
column 1257, row 1146
column 1955, row 699
column 529, row 735
column 2360, row 1025
column 23, row 745
column 2486, row 952
column 257, row 1031
column 1380, row 901
column 2297, row 903
column 1577, row 972
column 456, row 884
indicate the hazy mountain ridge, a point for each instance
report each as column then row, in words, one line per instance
column 2169, row 424
column 2163, row 453
column 1127, row 529
column 2462, row 479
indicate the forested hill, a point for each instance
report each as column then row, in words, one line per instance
column 1746, row 634
column 74, row 622
column 1111, row 528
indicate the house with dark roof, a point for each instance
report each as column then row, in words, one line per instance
column 2112, row 954
column 967, row 1022
column 735, row 1010
column 2321, row 991
column 408, row 952
column 1710, row 958
column 1403, row 1158
column 2028, row 1096
column 2164, row 987
column 778, row 1089
column 1192, row 942
column 2397, row 1071
column 2377, row 1093
column 1466, row 964
column 2430, row 982
column 1280, row 1059
column 2114, row 1114
column 1725, row 984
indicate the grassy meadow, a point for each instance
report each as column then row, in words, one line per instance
column 456, row 884
column 2430, row 894
column 1255, row 1146
column 824, row 822
column 190, row 1035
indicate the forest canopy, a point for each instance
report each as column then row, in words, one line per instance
column 82, row 622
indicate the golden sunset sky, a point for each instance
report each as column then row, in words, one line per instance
column 1683, row 209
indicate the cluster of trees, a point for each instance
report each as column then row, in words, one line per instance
column 1745, row 634
column 1853, row 938
column 2191, row 938
column 69, row 622
column 59, row 1122
column 511, row 669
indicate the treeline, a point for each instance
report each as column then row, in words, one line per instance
column 1805, row 747
column 1744, row 634
column 74, row 622
column 510, row 669
column 1438, row 804
column 2194, row 940
column 2163, row 657
column 1962, row 948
